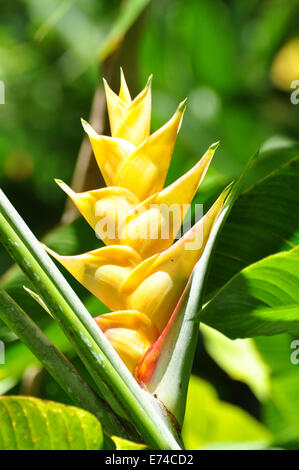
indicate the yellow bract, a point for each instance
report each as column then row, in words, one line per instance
column 141, row 274
column 140, row 168
column 132, row 328
column 119, row 217
column 129, row 120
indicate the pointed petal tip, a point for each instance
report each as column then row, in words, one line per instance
column 89, row 130
column 106, row 86
column 222, row 197
column 215, row 145
column 228, row 189
column 85, row 124
column 64, row 187
column 182, row 105
column 149, row 81
column 122, row 75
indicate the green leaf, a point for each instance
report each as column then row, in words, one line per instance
column 280, row 412
column 31, row 423
column 263, row 221
column 263, row 299
column 286, row 399
column 276, row 353
column 240, row 359
column 209, row 420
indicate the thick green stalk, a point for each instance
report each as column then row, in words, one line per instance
column 61, row 369
column 109, row 373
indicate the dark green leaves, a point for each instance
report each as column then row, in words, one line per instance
column 263, row 299
column 263, row 221
column 30, row 423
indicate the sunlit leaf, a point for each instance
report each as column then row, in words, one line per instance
column 240, row 359
column 210, row 420
column 30, row 423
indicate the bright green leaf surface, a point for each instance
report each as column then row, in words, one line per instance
column 280, row 352
column 31, row 423
column 240, row 359
column 209, row 420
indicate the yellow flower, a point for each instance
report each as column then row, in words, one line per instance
column 140, row 275
column 131, row 219
column 125, row 162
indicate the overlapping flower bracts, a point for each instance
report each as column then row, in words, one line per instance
column 140, row 277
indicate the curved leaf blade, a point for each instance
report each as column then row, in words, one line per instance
column 263, row 299
column 263, row 221
column 31, row 423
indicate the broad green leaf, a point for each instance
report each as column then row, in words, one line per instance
column 286, row 399
column 276, row 353
column 209, row 420
column 263, row 299
column 280, row 352
column 31, row 423
column 285, row 435
column 240, row 359
column 263, row 221
column 124, row 444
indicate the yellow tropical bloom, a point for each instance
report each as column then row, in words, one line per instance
column 123, row 162
column 131, row 219
column 139, row 275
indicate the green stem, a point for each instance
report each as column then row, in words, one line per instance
column 108, row 371
column 61, row 369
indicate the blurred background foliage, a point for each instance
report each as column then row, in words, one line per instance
column 235, row 61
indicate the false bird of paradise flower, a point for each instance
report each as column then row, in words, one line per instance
column 141, row 279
